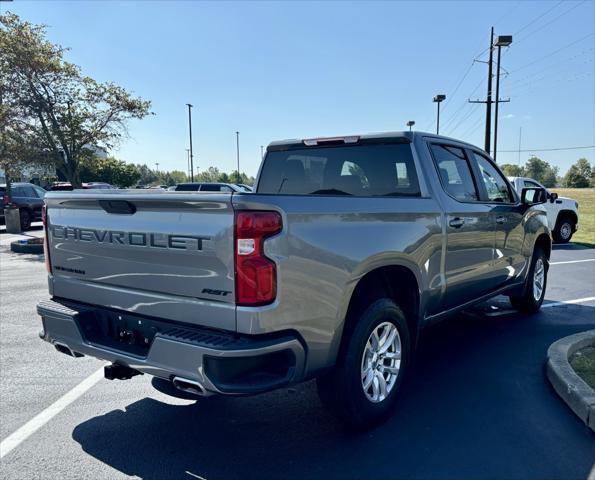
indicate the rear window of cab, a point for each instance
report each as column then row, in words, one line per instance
column 357, row 170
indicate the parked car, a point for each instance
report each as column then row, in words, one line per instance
column 27, row 197
column 67, row 186
column 348, row 248
column 208, row 187
column 562, row 212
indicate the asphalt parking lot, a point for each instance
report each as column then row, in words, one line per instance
column 475, row 405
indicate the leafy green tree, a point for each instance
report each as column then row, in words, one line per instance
column 66, row 113
column 541, row 171
column 579, row 175
column 109, row 170
column 511, row 170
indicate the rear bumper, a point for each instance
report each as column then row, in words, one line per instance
column 220, row 362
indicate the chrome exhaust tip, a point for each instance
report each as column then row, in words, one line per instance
column 189, row 386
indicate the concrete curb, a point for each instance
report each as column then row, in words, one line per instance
column 27, row 246
column 573, row 390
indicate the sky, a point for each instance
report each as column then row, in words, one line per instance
column 276, row 70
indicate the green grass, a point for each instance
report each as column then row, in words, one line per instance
column 583, row 363
column 586, row 212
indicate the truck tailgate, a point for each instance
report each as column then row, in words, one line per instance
column 162, row 254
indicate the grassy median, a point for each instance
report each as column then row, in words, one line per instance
column 586, row 211
column 583, row 363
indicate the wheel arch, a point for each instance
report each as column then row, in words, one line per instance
column 544, row 242
column 397, row 282
column 567, row 214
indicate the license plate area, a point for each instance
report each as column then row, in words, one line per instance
column 119, row 331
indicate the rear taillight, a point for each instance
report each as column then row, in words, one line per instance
column 256, row 275
column 46, row 245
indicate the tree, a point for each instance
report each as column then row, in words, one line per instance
column 541, row 171
column 67, row 113
column 579, row 175
column 511, row 170
column 109, row 170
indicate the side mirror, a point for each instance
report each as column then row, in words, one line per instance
column 553, row 197
column 534, row 196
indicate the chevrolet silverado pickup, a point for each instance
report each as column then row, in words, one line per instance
column 346, row 250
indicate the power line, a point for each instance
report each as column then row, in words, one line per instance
column 553, row 53
column 537, row 72
column 547, row 149
column 550, row 22
column 464, row 104
column 537, row 18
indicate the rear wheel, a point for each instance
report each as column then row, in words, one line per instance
column 564, row 230
column 534, row 290
column 362, row 388
column 25, row 219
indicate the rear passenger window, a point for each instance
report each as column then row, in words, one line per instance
column 359, row 170
column 455, row 173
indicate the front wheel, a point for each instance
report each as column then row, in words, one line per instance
column 534, row 290
column 362, row 388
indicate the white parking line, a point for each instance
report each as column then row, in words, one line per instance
column 568, row 302
column 16, row 438
column 573, row 261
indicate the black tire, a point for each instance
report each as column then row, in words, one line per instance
column 25, row 219
column 526, row 301
column 342, row 391
column 564, row 230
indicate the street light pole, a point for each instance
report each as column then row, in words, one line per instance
column 190, row 133
column 261, row 152
column 438, row 99
column 501, row 41
column 410, row 124
column 157, row 166
column 238, row 154
column 188, row 159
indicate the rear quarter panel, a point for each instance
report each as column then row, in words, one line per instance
column 329, row 243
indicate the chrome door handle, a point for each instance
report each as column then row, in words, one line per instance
column 457, row 222
column 500, row 219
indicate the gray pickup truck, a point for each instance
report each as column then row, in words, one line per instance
column 346, row 250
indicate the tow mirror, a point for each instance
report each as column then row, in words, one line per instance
column 553, row 197
column 534, row 196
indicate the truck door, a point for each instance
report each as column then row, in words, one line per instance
column 507, row 215
column 469, row 227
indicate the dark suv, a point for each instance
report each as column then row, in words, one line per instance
column 28, row 198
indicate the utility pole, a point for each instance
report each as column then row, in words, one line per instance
column 238, row 154
column 190, row 132
column 502, row 41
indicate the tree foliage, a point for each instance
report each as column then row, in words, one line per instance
column 63, row 112
column 541, row 171
column 511, row 170
column 109, row 170
column 579, row 175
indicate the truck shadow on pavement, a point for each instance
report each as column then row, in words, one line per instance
column 476, row 404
